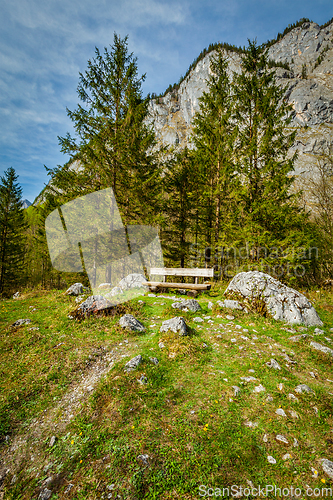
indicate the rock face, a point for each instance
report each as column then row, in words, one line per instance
column 307, row 48
column 265, row 294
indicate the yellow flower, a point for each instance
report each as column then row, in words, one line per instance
column 80, row 461
column 323, row 480
column 80, row 433
column 132, row 426
column 72, row 442
column 216, row 401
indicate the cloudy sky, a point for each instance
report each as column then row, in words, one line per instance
column 44, row 44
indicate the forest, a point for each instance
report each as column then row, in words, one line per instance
column 230, row 202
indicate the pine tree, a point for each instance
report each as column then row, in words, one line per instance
column 113, row 146
column 269, row 212
column 12, row 233
column 213, row 137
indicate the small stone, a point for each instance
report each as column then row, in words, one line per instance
column 321, row 348
column 52, row 441
column 143, row 380
column 230, row 317
column 21, row 322
column 271, row 459
column 251, row 370
column 110, row 487
column 280, row 387
column 287, row 456
column 265, row 438
column 154, row 361
column 204, row 345
column 281, row 412
column 248, row 379
column 293, row 414
column 259, row 388
column 293, row 398
column 315, row 472
column 143, row 459
column 45, row 494
column 236, row 390
column 295, row 443
column 273, row 364
column 16, row 295
column 281, row 439
column 253, row 425
column 68, row 489
column 315, row 410
column 269, row 399
column 210, row 305
column 176, row 325
column 128, row 321
column 197, row 319
column 297, row 338
column 327, row 466
column 303, row 388
column 75, row 289
column 133, row 363
column 187, row 305
column 161, row 345
column 318, row 331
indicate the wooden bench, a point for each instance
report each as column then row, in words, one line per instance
column 183, row 272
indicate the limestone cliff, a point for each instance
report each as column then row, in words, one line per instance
column 308, row 50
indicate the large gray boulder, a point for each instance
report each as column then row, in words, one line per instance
column 264, row 294
column 128, row 321
column 134, row 280
column 176, row 325
column 190, row 305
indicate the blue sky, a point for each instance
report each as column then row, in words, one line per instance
column 44, row 44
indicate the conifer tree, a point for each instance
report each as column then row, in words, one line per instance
column 113, row 146
column 269, row 212
column 12, row 228
column 180, row 189
column 213, row 137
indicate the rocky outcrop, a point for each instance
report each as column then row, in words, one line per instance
column 266, row 295
column 308, row 50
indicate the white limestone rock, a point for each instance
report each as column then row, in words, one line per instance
column 282, row 303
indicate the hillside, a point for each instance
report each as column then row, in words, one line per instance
column 206, row 414
column 308, row 51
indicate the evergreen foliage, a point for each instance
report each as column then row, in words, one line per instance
column 214, row 137
column 180, row 199
column 270, row 215
column 12, row 228
column 113, row 146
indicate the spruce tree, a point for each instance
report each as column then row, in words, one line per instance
column 180, row 190
column 12, row 233
column 213, row 137
column 113, row 146
column 270, row 215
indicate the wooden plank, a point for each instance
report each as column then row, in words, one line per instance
column 184, row 286
column 171, row 271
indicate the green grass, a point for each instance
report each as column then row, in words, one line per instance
column 186, row 418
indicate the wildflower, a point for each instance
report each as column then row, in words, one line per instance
column 72, row 442
column 323, row 480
